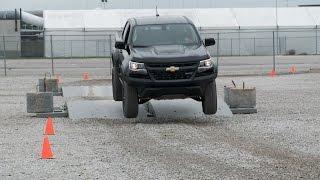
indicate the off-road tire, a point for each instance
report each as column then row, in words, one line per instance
column 130, row 102
column 209, row 100
column 116, row 86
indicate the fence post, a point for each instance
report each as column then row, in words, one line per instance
column 277, row 43
column 239, row 43
column 316, row 39
column 285, row 44
column 274, row 52
column 254, row 46
column 84, row 45
column 4, row 56
column 97, row 48
column 231, row 46
column 110, row 54
column 71, row 50
column 52, row 69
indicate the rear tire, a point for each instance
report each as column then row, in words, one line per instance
column 209, row 100
column 116, row 86
column 130, row 103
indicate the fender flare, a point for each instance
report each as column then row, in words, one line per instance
column 114, row 58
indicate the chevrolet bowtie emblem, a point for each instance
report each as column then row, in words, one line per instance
column 172, row 69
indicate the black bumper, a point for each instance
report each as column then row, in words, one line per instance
column 153, row 89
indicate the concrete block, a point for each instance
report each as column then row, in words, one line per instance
column 243, row 110
column 51, row 85
column 41, row 102
column 55, row 114
column 41, row 87
column 239, row 97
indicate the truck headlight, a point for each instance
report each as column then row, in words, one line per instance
column 135, row 66
column 206, row 64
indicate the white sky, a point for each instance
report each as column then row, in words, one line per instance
column 92, row 4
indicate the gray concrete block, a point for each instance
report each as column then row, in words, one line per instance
column 51, row 85
column 41, row 87
column 55, row 114
column 240, row 98
column 41, row 102
column 243, row 110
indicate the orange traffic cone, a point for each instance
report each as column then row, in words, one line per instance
column 293, row 69
column 46, row 149
column 49, row 130
column 273, row 73
column 85, row 76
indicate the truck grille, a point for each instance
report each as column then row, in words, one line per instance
column 158, row 70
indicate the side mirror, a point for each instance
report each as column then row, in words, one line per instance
column 209, row 42
column 120, row 45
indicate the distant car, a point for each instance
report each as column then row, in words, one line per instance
column 162, row 58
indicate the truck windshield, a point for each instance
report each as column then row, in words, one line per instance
column 165, row 34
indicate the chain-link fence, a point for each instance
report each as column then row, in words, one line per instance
column 99, row 45
column 77, row 46
column 262, row 43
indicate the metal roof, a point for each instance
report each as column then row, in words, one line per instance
column 220, row 18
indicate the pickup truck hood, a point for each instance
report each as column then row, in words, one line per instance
column 169, row 53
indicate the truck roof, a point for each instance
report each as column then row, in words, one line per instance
column 161, row 20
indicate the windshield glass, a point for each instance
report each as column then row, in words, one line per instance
column 165, row 34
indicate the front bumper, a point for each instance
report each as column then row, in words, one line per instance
column 155, row 89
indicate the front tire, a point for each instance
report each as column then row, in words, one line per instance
column 116, row 86
column 130, row 103
column 209, row 100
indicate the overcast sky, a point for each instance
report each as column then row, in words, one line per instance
column 92, row 4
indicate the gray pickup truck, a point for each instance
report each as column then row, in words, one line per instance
column 162, row 58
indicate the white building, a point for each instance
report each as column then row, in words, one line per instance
column 242, row 31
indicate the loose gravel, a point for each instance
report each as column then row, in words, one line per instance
column 281, row 141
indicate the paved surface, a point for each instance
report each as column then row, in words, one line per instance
column 247, row 65
column 280, row 142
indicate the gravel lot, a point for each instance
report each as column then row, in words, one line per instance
column 280, row 142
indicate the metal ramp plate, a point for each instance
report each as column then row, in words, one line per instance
column 95, row 102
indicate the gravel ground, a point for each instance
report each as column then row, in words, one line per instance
column 280, row 142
